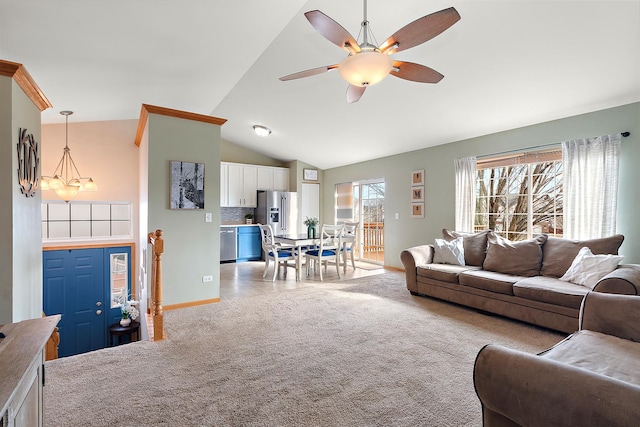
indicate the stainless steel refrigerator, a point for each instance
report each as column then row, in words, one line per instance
column 279, row 209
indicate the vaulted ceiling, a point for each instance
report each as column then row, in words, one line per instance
column 506, row 64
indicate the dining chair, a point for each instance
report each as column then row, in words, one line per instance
column 327, row 250
column 274, row 251
column 351, row 230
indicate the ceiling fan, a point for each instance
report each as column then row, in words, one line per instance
column 367, row 64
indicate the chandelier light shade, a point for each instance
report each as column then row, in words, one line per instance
column 365, row 68
column 66, row 180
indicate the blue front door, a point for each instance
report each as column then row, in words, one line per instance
column 76, row 285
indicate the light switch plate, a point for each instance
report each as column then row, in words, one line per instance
column 208, row 217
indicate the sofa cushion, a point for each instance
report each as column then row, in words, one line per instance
column 587, row 269
column 603, row 354
column 475, row 245
column 443, row 272
column 522, row 258
column 489, row 281
column 558, row 253
column 550, row 290
column 448, row 252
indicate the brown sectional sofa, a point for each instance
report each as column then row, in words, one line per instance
column 519, row 280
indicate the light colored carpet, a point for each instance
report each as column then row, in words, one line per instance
column 357, row 353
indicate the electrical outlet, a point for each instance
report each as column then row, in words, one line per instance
column 397, row 215
column 206, row 279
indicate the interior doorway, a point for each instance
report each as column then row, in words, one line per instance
column 363, row 202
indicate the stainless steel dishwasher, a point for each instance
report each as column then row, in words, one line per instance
column 228, row 243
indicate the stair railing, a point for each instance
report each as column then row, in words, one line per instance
column 157, row 243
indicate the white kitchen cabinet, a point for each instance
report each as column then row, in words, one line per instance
column 273, row 178
column 239, row 183
column 250, row 186
column 224, row 184
column 265, row 177
column 281, row 179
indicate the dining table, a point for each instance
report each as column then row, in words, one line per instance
column 302, row 241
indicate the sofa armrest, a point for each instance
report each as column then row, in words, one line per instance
column 411, row 259
column 611, row 314
column 535, row 391
column 623, row 280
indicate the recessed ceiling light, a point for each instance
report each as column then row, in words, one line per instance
column 261, row 130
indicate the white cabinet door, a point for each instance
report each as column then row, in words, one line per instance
column 281, row 179
column 265, row 178
column 239, row 183
column 235, row 185
column 224, row 184
column 250, row 185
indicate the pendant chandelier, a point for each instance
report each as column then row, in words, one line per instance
column 66, row 181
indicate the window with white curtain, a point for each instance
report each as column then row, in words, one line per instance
column 520, row 195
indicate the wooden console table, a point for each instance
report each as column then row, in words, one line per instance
column 22, row 358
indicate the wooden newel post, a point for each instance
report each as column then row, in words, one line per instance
column 155, row 239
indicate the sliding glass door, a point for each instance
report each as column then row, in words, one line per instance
column 363, row 202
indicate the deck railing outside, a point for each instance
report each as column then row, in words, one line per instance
column 372, row 241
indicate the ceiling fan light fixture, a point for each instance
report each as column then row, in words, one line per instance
column 365, row 68
column 261, row 130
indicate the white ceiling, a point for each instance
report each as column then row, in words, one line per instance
column 507, row 64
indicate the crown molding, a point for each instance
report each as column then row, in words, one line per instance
column 146, row 109
column 22, row 77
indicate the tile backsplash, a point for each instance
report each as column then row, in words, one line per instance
column 228, row 215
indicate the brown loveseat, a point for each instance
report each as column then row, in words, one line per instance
column 520, row 280
column 591, row 378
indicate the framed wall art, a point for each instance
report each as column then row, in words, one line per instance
column 417, row 193
column 310, row 174
column 417, row 177
column 417, row 210
column 187, row 185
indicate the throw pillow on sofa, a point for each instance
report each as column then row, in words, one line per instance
column 559, row 253
column 520, row 258
column 475, row 245
column 449, row 252
column 587, row 269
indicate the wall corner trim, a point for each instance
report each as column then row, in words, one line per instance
column 20, row 74
column 153, row 109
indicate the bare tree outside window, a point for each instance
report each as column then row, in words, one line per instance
column 520, row 201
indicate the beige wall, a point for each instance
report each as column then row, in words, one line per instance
column 20, row 216
column 192, row 248
column 103, row 150
column 439, row 177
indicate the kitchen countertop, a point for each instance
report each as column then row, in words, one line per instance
column 237, row 224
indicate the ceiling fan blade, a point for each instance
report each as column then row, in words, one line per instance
column 308, row 73
column 421, row 30
column 354, row 93
column 415, row 72
column 332, row 31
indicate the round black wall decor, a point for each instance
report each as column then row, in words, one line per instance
column 28, row 163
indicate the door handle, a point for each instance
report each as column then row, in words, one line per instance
column 99, row 303
column 98, row 312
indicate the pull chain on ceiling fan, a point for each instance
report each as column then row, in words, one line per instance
column 367, row 64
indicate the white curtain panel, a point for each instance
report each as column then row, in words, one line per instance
column 465, row 193
column 590, row 186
